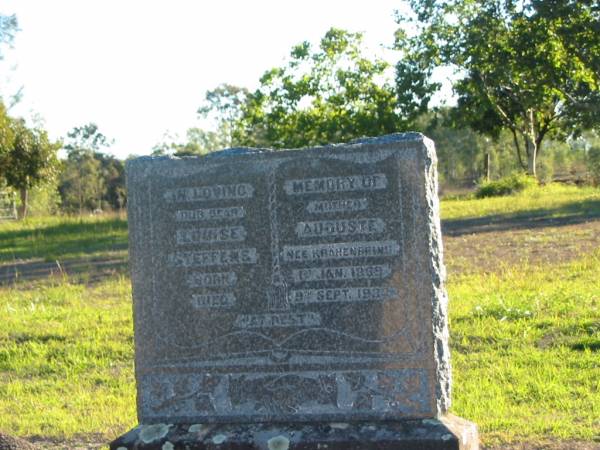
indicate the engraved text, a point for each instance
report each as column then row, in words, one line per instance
column 196, row 215
column 215, row 192
column 343, row 227
column 271, row 320
column 341, row 273
column 225, row 300
column 206, row 235
column 336, row 184
column 340, row 250
column 212, row 257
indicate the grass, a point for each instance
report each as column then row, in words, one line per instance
column 554, row 201
column 66, row 360
column 525, row 351
column 525, row 334
column 58, row 238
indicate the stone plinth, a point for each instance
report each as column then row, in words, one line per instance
column 450, row 433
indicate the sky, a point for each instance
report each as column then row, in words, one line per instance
column 140, row 69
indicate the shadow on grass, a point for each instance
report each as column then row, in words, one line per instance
column 82, row 270
column 569, row 214
column 24, row 338
column 83, row 251
column 66, row 240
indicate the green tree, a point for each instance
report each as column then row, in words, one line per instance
column 30, row 160
column 86, row 137
column 329, row 94
column 197, row 142
column 224, row 105
column 112, row 171
column 81, row 184
column 514, row 64
column 8, row 28
column 87, row 172
column 6, row 133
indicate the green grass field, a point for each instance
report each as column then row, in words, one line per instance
column 523, row 279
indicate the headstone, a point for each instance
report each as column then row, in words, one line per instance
column 283, row 287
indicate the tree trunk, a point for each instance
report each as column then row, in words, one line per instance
column 532, row 150
column 24, row 193
column 487, row 166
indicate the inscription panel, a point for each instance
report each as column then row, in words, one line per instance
column 287, row 264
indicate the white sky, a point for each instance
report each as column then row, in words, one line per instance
column 139, row 68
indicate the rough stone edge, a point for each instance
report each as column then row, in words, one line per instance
column 466, row 432
column 439, row 300
column 447, row 433
column 392, row 138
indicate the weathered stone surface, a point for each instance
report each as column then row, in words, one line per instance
column 449, row 433
column 302, row 285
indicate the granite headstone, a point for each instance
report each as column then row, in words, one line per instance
column 289, row 286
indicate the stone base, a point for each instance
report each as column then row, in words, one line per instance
column 448, row 433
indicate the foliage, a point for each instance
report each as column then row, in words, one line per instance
column 30, row 160
column 44, row 199
column 197, row 142
column 8, row 27
column 113, row 175
column 7, row 134
column 505, row 186
column 593, row 163
column 86, row 137
column 462, row 152
column 332, row 93
column 514, row 63
column 224, row 104
column 91, row 179
column 81, row 185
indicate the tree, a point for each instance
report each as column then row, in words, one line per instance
column 31, row 159
column 8, row 27
column 197, row 142
column 224, row 105
column 329, row 94
column 82, row 185
column 514, row 64
column 86, row 137
column 112, row 171
column 90, row 177
column 6, row 133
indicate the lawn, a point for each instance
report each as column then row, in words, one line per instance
column 524, row 316
column 60, row 238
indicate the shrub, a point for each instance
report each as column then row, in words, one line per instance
column 505, row 186
column 593, row 164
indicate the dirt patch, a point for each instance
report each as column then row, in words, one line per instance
column 87, row 270
column 489, row 248
column 12, row 443
column 93, row 442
